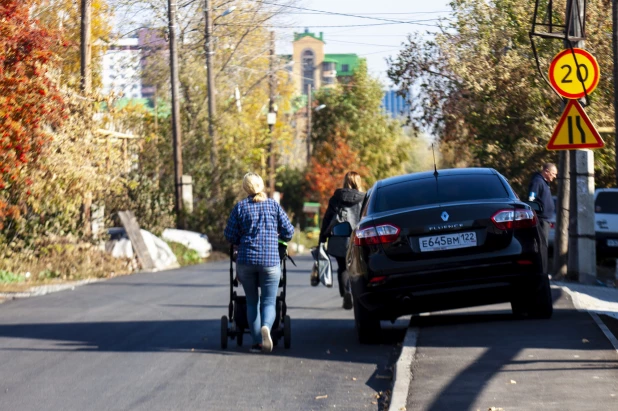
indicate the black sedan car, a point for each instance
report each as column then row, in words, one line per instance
column 442, row 240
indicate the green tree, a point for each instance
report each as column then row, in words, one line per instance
column 476, row 87
column 353, row 112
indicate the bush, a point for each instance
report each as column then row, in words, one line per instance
column 60, row 259
column 9, row 277
column 185, row 255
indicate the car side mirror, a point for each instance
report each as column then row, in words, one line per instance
column 342, row 230
column 535, row 205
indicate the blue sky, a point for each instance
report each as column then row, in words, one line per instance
column 376, row 42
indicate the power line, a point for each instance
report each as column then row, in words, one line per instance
column 381, row 51
column 363, row 44
column 333, row 13
column 377, row 14
column 337, row 26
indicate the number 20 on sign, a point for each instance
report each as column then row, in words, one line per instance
column 573, row 71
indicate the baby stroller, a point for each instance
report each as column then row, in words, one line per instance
column 237, row 325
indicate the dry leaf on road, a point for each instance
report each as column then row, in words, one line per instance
column 321, row 397
column 353, row 378
column 513, row 382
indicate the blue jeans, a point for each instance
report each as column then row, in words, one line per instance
column 267, row 278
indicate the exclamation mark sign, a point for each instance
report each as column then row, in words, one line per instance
column 570, row 128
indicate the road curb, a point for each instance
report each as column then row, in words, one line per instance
column 39, row 290
column 595, row 317
column 612, row 339
column 403, row 371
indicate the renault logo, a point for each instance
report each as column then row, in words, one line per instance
column 444, row 216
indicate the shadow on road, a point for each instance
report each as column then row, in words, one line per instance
column 504, row 337
column 321, row 340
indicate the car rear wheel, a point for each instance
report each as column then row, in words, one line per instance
column 367, row 325
column 535, row 301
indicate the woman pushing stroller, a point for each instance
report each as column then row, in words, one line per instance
column 255, row 225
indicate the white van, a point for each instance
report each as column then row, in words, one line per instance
column 606, row 222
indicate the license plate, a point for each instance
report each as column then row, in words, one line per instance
column 447, row 241
column 612, row 243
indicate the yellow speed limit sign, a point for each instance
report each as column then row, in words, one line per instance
column 573, row 71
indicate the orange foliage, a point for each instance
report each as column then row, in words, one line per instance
column 30, row 103
column 330, row 163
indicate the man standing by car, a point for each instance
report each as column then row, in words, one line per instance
column 540, row 192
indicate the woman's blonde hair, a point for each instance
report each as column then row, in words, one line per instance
column 254, row 186
column 352, row 180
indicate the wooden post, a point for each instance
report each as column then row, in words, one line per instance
column 176, row 130
column 85, row 45
column 271, row 111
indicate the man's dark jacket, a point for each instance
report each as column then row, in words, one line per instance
column 539, row 191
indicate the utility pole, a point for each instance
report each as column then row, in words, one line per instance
column 85, row 47
column 176, row 130
column 582, row 245
column 272, row 115
column 308, row 125
column 85, row 85
column 210, row 78
column 561, row 240
column 615, row 50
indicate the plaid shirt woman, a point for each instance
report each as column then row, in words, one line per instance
column 255, row 226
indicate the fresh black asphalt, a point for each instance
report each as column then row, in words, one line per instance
column 480, row 358
column 150, row 341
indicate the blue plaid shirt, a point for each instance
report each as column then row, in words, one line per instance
column 255, row 228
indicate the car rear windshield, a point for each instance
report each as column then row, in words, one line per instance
column 447, row 189
column 606, row 202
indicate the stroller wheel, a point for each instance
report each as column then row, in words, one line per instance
column 287, row 332
column 224, row 332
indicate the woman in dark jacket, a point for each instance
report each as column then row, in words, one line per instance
column 344, row 205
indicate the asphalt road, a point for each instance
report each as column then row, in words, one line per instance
column 151, row 342
column 480, row 358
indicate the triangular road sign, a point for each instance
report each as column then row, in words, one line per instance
column 574, row 130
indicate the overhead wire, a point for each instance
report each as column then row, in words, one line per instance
column 362, row 44
column 334, row 26
column 333, row 13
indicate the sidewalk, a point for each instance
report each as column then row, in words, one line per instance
column 598, row 299
column 554, row 349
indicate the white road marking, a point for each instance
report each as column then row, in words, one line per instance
column 403, row 371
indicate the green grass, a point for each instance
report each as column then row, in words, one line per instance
column 185, row 255
column 7, row 277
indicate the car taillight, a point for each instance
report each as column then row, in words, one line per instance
column 508, row 219
column 381, row 234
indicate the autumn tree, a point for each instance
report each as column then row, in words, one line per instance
column 241, row 65
column 31, row 105
column 475, row 85
column 64, row 17
column 329, row 164
column 353, row 112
